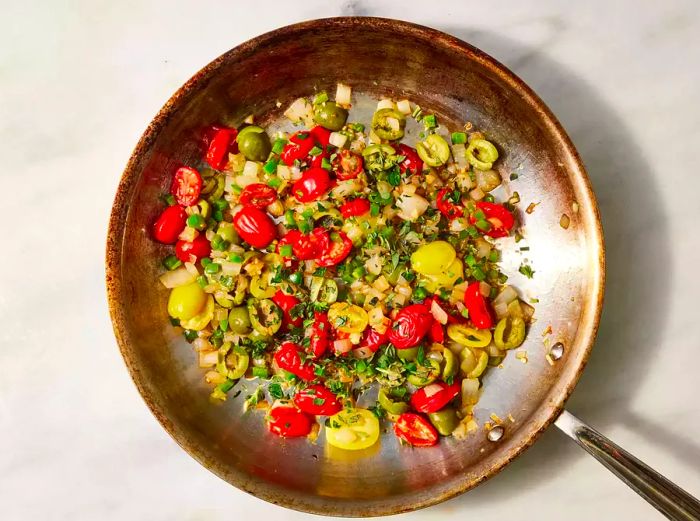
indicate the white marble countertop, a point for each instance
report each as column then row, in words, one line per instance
column 79, row 81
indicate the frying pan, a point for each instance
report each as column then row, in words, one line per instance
column 459, row 83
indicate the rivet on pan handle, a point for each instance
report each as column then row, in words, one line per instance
column 671, row 500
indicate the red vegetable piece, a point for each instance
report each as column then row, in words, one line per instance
column 421, row 402
column 415, row 430
column 258, row 195
column 222, row 142
column 498, row 216
column 479, row 309
column 288, row 358
column 286, row 303
column 319, row 333
column 290, row 238
column 311, row 245
column 448, row 208
column 413, row 163
column 170, row 224
column 321, row 135
column 289, row 422
column 314, row 183
column 354, row 208
column 410, row 326
column 347, row 165
column 187, row 185
column 317, row 161
column 300, row 143
column 372, row 339
column 255, row 227
column 192, row 251
column 318, row 400
column 338, row 249
column 437, row 333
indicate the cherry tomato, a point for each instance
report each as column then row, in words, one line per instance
column 347, row 165
column 479, row 310
column 170, row 224
column 413, row 162
column 187, row 185
column 319, row 333
column 288, row 358
column 448, row 208
column 338, row 250
column 354, row 208
column 421, row 402
column 415, row 430
column 410, row 326
column 317, row 161
column 259, row 195
column 314, row 183
column 255, row 227
column 321, row 135
column 290, row 238
column 372, row 339
column 286, row 303
column 222, row 142
column 300, row 143
column 198, row 248
column 318, row 400
column 437, row 333
column 498, row 216
column 311, row 245
column 288, row 421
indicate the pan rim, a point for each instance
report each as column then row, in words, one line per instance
column 551, row 407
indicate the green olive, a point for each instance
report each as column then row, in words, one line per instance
column 254, row 143
column 407, row 354
column 330, row 116
column 426, row 374
column 259, row 287
column 237, row 360
column 388, row 124
column 239, row 321
column 481, row 154
column 445, row 421
column 227, row 232
column 265, row 316
column 434, row 151
column 449, row 368
column 509, row 333
column 389, row 405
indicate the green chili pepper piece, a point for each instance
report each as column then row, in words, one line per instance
column 389, row 405
column 265, row 316
column 388, row 124
column 445, row 421
column 509, row 333
column 481, row 154
column 434, row 151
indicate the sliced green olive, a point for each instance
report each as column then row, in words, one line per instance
column 329, row 115
column 449, row 368
column 445, row 421
column 227, row 232
column 389, row 405
column 239, row 320
column 254, row 143
column 223, row 302
column 237, row 361
column 407, row 354
column 468, row 336
column 265, row 316
column 323, row 290
column 388, row 124
column 378, row 148
column 426, row 374
column 434, row 151
column 481, row 154
column 482, row 360
column 509, row 333
column 239, row 290
column 259, row 287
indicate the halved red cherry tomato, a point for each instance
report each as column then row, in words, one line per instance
column 354, row 208
column 372, row 339
column 338, row 250
column 410, row 326
column 413, row 163
column 321, row 135
column 317, row 161
column 288, row 357
column 288, row 421
column 430, row 399
column 318, row 400
column 198, row 248
column 255, row 227
column 415, row 430
column 286, row 303
column 479, row 310
column 312, row 185
column 187, row 185
column 311, row 245
column 258, row 194
column 447, row 207
column 223, row 141
column 300, row 143
column 170, row 224
column 437, row 333
column 290, row 238
column 498, row 216
column 319, row 334
column 347, row 165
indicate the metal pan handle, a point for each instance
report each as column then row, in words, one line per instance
column 671, row 500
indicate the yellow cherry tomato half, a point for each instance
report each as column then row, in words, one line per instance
column 199, row 322
column 186, row 301
column 433, row 258
column 352, row 429
column 347, row 317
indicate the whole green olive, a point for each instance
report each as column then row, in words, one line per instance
column 239, row 321
column 254, row 143
column 445, row 421
column 330, row 116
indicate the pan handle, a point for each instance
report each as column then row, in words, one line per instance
column 671, row 500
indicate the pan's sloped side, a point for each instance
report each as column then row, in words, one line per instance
column 457, row 82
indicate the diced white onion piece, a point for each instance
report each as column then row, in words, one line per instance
column 484, row 288
column 403, row 289
column 464, row 182
column 399, row 299
column 214, row 377
column 374, row 264
column 506, row 296
column 411, row 206
column 408, row 189
column 432, row 390
column 346, row 188
column 438, row 313
column 459, row 152
column 298, row 109
column 403, row 106
column 501, row 309
column 220, row 314
column 230, row 268
column 375, row 315
column 188, row 234
column 176, row 278
column 385, row 104
column 362, row 352
column 374, row 138
column 208, row 358
column 459, row 224
column 189, row 266
column 296, row 173
column 249, row 119
column 381, row 284
column 483, row 247
column 477, row 194
column 353, row 231
column 275, row 209
column 342, row 346
column 355, row 338
column 487, row 180
column 201, row 344
column 372, row 295
column 337, row 139
column 470, row 391
column 283, row 172
column 250, row 169
column 393, row 124
column 528, row 310
column 343, row 95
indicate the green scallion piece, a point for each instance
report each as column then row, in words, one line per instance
column 325, row 164
column 235, row 257
column 459, row 137
column 286, row 250
column 271, row 166
column 212, row 267
column 429, row 121
column 171, row 262
column 260, row 372
column 321, row 97
column 374, row 209
column 278, row 146
column 202, row 281
column 223, row 325
column 196, row 221
column 274, row 182
column 316, row 151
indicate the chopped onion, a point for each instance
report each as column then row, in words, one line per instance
column 342, row 346
column 506, row 296
column 208, row 358
column 201, row 344
column 214, row 377
column 393, row 124
column 250, row 169
column 501, row 310
column 459, row 224
column 411, row 206
column 438, row 313
column 483, row 247
column 188, row 234
column 296, row 173
column 299, row 110
column 283, row 172
column 477, row 194
column 487, row 180
column 470, row 391
column 230, row 268
column 362, row 352
column 404, row 106
column 432, row 389
column 374, row 264
column 459, row 152
column 399, row 299
column 275, row 209
column 189, row 266
column 385, row 104
column 381, row 284
column 176, row 278
column 403, row 289
column 343, row 95
column 492, row 350
column 346, row 188
column 484, row 288
column 464, row 182
column 355, row 338
column 337, row 139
